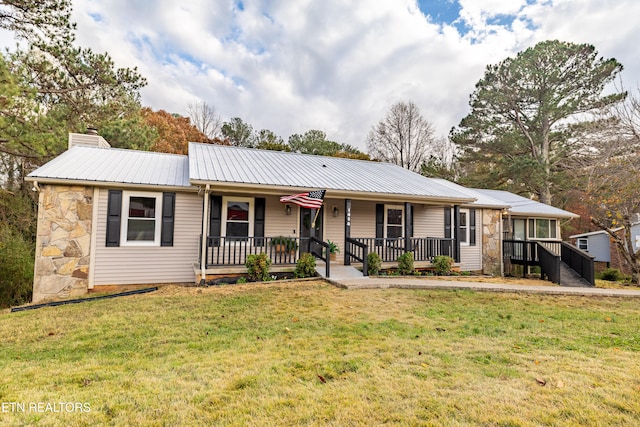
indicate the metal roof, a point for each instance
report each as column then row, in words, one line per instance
column 482, row 200
column 111, row 165
column 218, row 163
column 523, row 206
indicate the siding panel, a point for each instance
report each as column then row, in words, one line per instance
column 471, row 256
column 157, row 264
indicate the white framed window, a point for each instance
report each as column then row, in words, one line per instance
column 542, row 228
column 464, row 226
column 237, row 218
column 141, row 218
column 583, row 244
column 394, row 221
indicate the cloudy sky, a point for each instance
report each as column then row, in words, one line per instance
column 338, row 65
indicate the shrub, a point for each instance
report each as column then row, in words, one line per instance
column 374, row 262
column 611, row 274
column 16, row 268
column 442, row 265
column 405, row 264
column 258, row 266
column 306, row 266
column 241, row 280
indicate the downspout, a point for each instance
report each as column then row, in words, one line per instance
column 205, row 233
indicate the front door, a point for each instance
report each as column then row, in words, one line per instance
column 307, row 230
column 519, row 229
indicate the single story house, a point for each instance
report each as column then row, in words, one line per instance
column 122, row 217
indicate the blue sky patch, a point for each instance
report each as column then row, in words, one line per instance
column 96, row 17
column 440, row 11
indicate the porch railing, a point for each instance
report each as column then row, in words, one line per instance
column 580, row 261
column 227, row 251
column 358, row 252
column 423, row 248
column 548, row 256
column 322, row 250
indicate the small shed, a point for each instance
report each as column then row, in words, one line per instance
column 596, row 243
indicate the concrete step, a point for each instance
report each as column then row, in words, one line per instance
column 339, row 271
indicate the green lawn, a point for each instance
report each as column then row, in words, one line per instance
column 310, row 354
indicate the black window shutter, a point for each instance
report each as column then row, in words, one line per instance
column 215, row 219
column 472, row 227
column 258, row 220
column 168, row 213
column 379, row 224
column 114, row 212
column 447, row 223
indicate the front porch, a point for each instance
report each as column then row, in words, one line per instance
column 227, row 255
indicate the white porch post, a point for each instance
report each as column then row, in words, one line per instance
column 205, row 233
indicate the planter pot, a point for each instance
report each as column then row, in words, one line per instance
column 332, row 257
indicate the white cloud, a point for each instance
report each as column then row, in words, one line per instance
column 336, row 65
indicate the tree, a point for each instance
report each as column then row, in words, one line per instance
column 313, row 142
column 613, row 185
column 529, row 117
column 268, row 140
column 239, row 133
column 205, row 119
column 173, row 132
column 403, row 137
column 48, row 87
column 37, row 19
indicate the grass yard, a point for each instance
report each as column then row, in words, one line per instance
column 310, row 354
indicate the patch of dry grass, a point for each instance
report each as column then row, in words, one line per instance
column 310, row 354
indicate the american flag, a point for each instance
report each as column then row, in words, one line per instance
column 311, row 200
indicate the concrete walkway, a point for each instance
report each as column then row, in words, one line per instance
column 425, row 283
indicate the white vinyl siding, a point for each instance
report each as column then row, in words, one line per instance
column 146, row 264
column 428, row 221
column 471, row 256
column 277, row 222
column 363, row 218
column 334, row 226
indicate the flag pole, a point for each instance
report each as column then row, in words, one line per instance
column 313, row 223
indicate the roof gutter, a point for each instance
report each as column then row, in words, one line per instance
column 126, row 185
column 332, row 193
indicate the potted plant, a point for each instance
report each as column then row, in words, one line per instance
column 333, row 250
column 284, row 244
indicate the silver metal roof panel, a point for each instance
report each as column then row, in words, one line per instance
column 482, row 200
column 523, row 206
column 111, row 165
column 218, row 163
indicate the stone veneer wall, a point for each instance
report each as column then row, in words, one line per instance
column 491, row 242
column 63, row 242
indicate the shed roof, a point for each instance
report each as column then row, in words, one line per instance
column 111, row 165
column 218, row 163
column 526, row 207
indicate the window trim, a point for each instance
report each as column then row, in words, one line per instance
column 532, row 228
column 250, row 219
column 586, row 243
column 386, row 222
column 124, row 227
column 466, row 230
